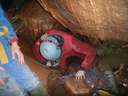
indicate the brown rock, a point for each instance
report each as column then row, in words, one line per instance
column 96, row 18
column 36, row 21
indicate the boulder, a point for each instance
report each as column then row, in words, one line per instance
column 100, row 19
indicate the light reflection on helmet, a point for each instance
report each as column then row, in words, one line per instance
column 50, row 48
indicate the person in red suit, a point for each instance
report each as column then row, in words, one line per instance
column 67, row 46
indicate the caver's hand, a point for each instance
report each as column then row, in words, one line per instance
column 80, row 75
column 43, row 37
column 49, row 64
column 15, row 49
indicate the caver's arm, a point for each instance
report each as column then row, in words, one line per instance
column 88, row 50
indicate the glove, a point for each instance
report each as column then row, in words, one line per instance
column 48, row 64
column 80, row 75
column 43, row 37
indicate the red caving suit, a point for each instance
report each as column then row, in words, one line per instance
column 71, row 46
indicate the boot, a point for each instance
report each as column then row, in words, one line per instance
column 38, row 91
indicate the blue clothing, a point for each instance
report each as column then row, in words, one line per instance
column 4, row 39
column 6, row 45
column 22, row 74
column 10, row 88
column 20, row 77
column 4, row 22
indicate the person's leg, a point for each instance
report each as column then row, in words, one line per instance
column 21, row 72
column 25, row 78
column 10, row 87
